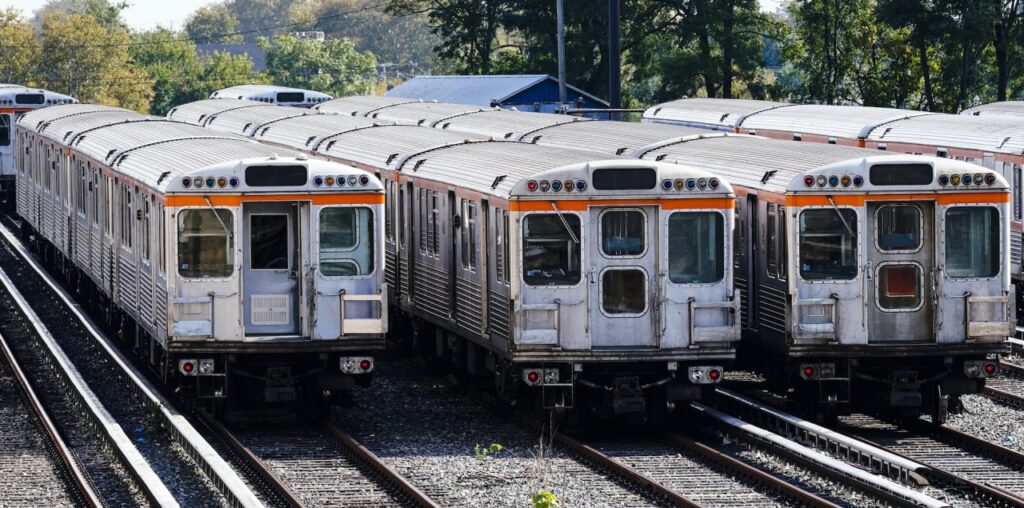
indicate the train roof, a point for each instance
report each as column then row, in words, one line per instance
column 199, row 112
column 361, row 105
column 996, row 108
column 271, row 93
column 245, row 121
column 108, row 142
column 851, row 122
column 503, row 124
column 722, row 114
column 387, row 146
column 35, row 119
column 612, row 137
column 306, row 131
column 423, row 113
column 991, row 133
column 13, row 95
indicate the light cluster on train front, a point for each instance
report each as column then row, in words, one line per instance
column 691, row 184
column 833, row 181
column 556, row 185
column 210, row 182
column 967, row 179
column 340, row 180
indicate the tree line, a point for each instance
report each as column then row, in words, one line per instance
column 938, row 55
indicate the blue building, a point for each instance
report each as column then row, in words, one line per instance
column 528, row 92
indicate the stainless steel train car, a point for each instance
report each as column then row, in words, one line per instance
column 994, row 141
column 1011, row 108
column 232, row 267
column 270, row 94
column 16, row 100
column 563, row 272
column 898, row 223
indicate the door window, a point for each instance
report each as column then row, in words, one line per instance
column 624, row 291
column 972, row 241
column 622, row 233
column 899, row 228
column 268, row 242
column 899, row 286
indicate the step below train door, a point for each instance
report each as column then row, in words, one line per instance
column 269, row 270
column 622, row 275
column 901, row 270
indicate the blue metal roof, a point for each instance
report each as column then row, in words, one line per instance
column 478, row 90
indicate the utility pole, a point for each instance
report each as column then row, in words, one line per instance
column 614, row 56
column 560, row 14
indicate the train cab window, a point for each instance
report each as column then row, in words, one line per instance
column 205, row 244
column 622, row 233
column 696, row 247
column 898, row 228
column 268, row 244
column 551, row 254
column 346, row 241
column 828, row 244
column 972, row 241
column 5, row 130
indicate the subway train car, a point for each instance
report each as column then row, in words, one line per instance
column 995, row 141
column 271, row 94
column 925, row 300
column 570, row 276
column 226, row 264
column 1011, row 108
column 16, row 100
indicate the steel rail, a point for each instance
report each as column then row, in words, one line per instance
column 627, row 473
column 217, row 470
column 259, row 466
column 79, row 479
column 745, row 470
column 390, row 475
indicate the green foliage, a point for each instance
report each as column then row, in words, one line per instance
column 105, row 12
column 20, row 48
column 214, row 24
column 482, row 452
column 333, row 67
column 544, row 499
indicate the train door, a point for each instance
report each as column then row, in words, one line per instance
column 754, row 261
column 622, row 276
column 900, row 272
column 269, row 274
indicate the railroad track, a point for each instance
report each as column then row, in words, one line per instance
column 132, row 443
column 317, row 465
column 42, row 469
column 1008, row 386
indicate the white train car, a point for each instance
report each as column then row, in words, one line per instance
column 229, row 264
column 271, row 94
column 571, row 274
column 16, row 100
column 1011, row 108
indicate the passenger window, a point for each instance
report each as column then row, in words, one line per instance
column 268, row 242
column 1017, row 191
column 624, row 291
column 622, row 233
column 771, row 247
column 468, row 235
column 205, row 246
column 783, row 263
column 899, row 286
column 972, row 241
column 499, row 243
column 551, row 254
column 5, row 130
column 346, row 241
column 828, row 244
column 899, row 228
column 696, row 247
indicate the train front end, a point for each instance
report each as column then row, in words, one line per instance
column 622, row 284
column 277, row 287
column 900, row 293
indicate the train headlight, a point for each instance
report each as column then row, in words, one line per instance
column 822, row 180
column 702, row 183
column 206, row 366
column 551, row 376
column 704, row 375
column 197, row 182
column 545, row 185
column 978, row 178
column 355, row 364
column 352, row 180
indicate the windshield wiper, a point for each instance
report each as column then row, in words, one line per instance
column 565, row 223
column 840, row 214
column 217, row 216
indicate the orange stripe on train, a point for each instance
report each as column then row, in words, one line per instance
column 236, row 200
column 949, row 198
column 583, row 204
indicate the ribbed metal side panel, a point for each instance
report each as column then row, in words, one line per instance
column 403, row 262
column 391, row 270
column 82, row 246
column 771, row 308
column 125, row 285
column 160, row 307
column 108, row 268
column 498, row 313
column 469, row 303
column 741, row 285
column 1016, row 248
column 432, row 291
column 96, row 257
column 145, row 301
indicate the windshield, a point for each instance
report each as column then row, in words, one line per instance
column 205, row 249
column 550, row 256
column 972, row 241
column 828, row 250
column 346, row 241
column 695, row 247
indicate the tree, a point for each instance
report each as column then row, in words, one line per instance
column 333, row 67
column 261, row 18
column 1006, row 28
column 824, row 51
column 105, row 12
column 214, row 24
column 926, row 28
column 19, row 48
column 82, row 57
column 467, row 29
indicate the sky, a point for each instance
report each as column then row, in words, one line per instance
column 149, row 14
column 140, row 15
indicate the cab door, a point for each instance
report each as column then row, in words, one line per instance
column 622, row 276
column 900, row 272
column 269, row 275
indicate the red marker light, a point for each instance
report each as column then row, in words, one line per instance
column 990, row 368
column 533, row 376
column 365, row 365
column 532, row 185
column 809, row 371
column 714, row 375
column 188, row 367
column 808, row 181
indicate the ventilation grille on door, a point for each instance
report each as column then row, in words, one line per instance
column 271, row 309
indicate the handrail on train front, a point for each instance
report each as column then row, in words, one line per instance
column 372, row 325
column 977, row 329
column 816, row 331
column 734, row 318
